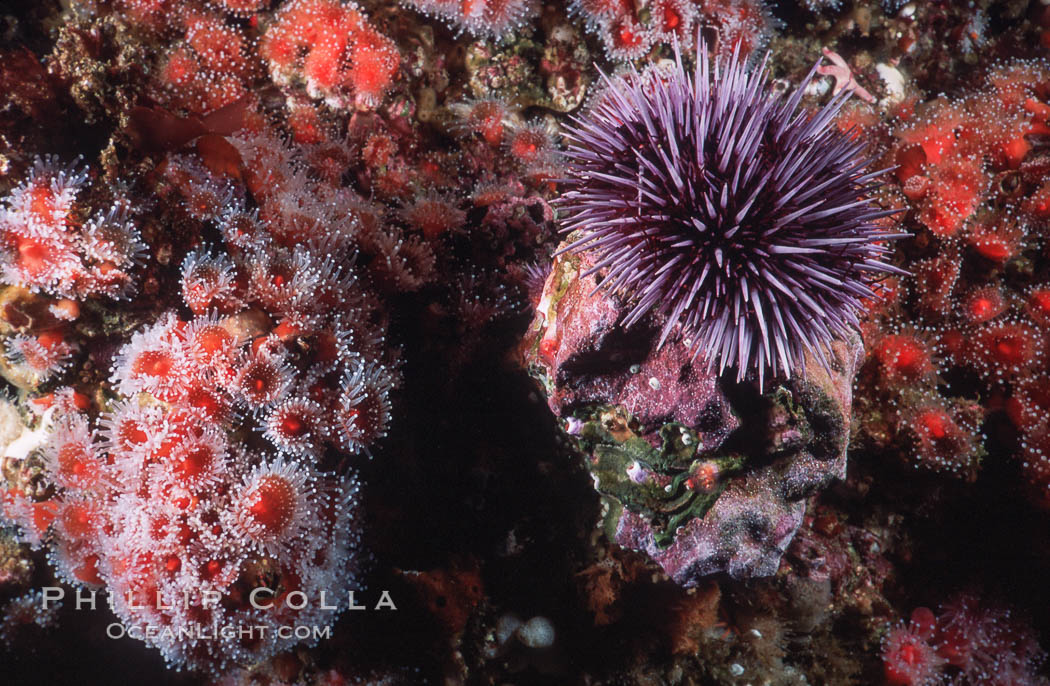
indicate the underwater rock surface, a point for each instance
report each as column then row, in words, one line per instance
column 702, row 474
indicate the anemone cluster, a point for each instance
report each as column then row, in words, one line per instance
column 962, row 339
column 333, row 49
column 628, row 30
column 968, row 641
column 283, row 207
column 195, row 441
column 52, row 242
column 326, row 46
column 204, row 471
column 487, row 18
column 205, row 467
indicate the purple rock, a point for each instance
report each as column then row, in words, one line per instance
column 791, row 440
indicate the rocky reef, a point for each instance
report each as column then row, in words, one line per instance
column 361, row 343
column 705, row 475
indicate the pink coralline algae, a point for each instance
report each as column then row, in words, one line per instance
column 702, row 477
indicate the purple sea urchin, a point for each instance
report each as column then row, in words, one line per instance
column 726, row 207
